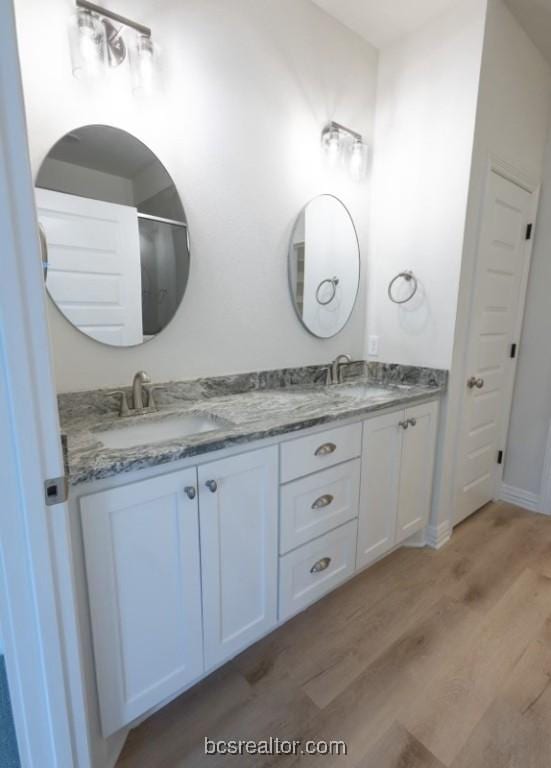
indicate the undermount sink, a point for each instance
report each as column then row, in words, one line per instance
column 361, row 391
column 148, row 430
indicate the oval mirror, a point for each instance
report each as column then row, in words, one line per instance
column 114, row 235
column 324, row 266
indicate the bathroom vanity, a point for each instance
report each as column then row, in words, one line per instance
column 206, row 513
column 195, row 547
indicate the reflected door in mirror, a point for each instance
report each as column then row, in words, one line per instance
column 116, row 235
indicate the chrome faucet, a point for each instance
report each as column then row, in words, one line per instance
column 140, row 379
column 336, row 367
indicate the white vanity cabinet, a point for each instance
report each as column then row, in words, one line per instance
column 144, row 584
column 397, row 471
column 186, row 569
column 239, row 524
column 171, row 571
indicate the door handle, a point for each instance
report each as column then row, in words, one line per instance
column 212, row 485
column 403, row 424
column 190, row 492
column 475, row 382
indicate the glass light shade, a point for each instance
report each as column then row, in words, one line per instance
column 332, row 144
column 88, row 45
column 142, row 62
column 359, row 154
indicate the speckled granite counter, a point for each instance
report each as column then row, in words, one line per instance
column 248, row 407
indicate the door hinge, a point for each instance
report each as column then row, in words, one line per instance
column 513, row 351
column 500, row 457
column 529, row 229
column 56, row 490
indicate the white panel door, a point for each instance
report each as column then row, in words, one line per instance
column 94, row 273
column 141, row 543
column 416, row 469
column 382, row 441
column 500, row 281
column 239, row 551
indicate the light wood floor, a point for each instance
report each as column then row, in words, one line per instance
column 428, row 659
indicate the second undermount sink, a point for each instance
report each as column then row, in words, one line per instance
column 146, row 430
column 363, row 391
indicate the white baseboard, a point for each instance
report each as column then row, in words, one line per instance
column 438, row 535
column 520, row 498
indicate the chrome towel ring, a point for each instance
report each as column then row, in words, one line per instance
column 409, row 277
column 333, row 282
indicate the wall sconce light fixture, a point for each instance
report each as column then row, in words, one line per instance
column 101, row 38
column 340, row 141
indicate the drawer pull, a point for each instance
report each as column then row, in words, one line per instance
column 321, row 565
column 326, row 449
column 323, row 501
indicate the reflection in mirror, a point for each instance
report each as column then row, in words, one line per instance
column 324, row 266
column 114, row 235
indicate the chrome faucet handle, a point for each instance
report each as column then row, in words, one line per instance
column 123, row 409
column 151, row 404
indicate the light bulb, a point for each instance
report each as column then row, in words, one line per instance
column 143, row 64
column 358, row 159
column 88, row 48
column 332, row 143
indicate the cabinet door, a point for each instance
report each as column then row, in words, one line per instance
column 141, row 546
column 238, row 514
column 417, row 469
column 382, row 440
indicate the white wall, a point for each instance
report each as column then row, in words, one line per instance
column 246, row 90
column 426, row 106
column 512, row 119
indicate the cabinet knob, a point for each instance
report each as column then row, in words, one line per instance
column 321, row 565
column 325, row 449
column 190, row 491
column 413, row 422
column 323, row 501
column 403, row 424
column 212, row 485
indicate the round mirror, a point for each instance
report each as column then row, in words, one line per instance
column 114, row 235
column 324, row 266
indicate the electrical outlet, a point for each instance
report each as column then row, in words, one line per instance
column 373, row 346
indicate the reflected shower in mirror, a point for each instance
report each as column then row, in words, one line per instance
column 114, row 235
column 324, row 266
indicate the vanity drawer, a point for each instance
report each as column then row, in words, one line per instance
column 314, row 452
column 315, row 569
column 318, row 503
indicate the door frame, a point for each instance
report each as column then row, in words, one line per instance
column 35, row 556
column 515, row 175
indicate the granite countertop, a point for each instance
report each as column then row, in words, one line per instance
column 243, row 417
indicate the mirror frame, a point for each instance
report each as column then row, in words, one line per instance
column 43, row 243
column 290, row 258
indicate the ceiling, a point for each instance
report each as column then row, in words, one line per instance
column 104, row 149
column 381, row 22
column 535, row 17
